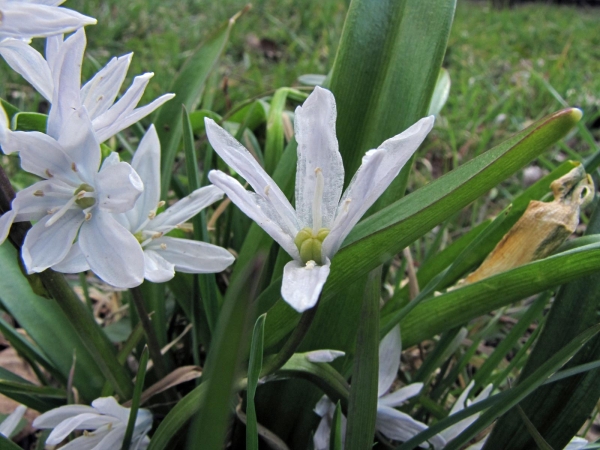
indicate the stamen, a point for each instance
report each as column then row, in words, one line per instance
column 267, row 189
column 347, row 205
column 48, row 173
column 88, row 216
column 318, row 201
column 161, row 204
column 61, row 212
column 310, row 265
column 39, row 193
column 163, row 246
column 157, row 235
column 74, row 167
column 151, row 215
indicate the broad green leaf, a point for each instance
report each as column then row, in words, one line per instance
column 399, row 47
column 27, row 121
column 253, row 114
column 362, row 408
column 560, row 410
column 47, row 326
column 188, row 88
column 382, row 235
column 135, row 400
column 224, row 360
column 197, row 119
column 254, row 368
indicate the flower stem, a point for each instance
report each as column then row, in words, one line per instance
column 289, row 348
column 152, row 339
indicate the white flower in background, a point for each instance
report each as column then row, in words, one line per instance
column 163, row 255
column 9, row 424
column 105, row 422
column 26, row 19
column 98, row 95
column 390, row 422
column 75, row 198
column 315, row 230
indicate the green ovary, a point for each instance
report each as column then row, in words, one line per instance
column 85, row 202
column 310, row 245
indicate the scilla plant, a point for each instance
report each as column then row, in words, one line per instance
column 262, row 272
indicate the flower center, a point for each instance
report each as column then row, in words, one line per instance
column 79, row 198
column 310, row 244
column 82, row 201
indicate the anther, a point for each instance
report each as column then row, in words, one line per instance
column 267, row 189
column 157, row 235
column 74, row 167
column 39, row 193
column 88, row 216
column 161, row 204
column 48, row 173
column 163, row 246
column 151, row 215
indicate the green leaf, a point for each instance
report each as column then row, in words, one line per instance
column 188, row 88
column 28, row 121
column 135, row 400
column 7, row 444
column 223, row 361
column 47, row 325
column 254, row 368
column 362, row 409
column 10, row 109
column 275, row 137
column 382, row 235
column 560, row 410
column 399, row 47
column 335, row 436
column 39, row 398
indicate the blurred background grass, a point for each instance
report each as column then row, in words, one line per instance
column 500, row 63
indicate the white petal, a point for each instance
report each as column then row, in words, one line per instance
column 78, row 141
column 110, row 406
column 186, row 208
column 52, row 418
column 302, row 284
column 146, row 162
column 88, row 441
column 112, row 440
column 112, row 252
column 322, row 434
column 66, row 72
column 576, row 443
column 398, row 397
column 6, row 221
column 74, row 262
column 390, row 349
column 156, row 268
column 30, row 64
column 22, row 20
column 10, row 423
column 462, row 402
column 46, row 246
column 314, row 123
column 98, row 94
column 450, row 433
column 53, row 45
column 34, row 202
column 257, row 209
column 323, row 356
column 324, row 407
column 378, row 169
column 240, row 160
column 192, row 256
column 86, row 421
column 129, row 117
column 399, row 426
column 119, row 186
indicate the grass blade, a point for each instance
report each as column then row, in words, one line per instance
column 135, row 400
column 254, row 368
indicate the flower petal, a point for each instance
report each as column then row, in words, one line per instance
column 390, row 349
column 119, row 186
column 257, row 209
column 398, row 397
column 146, row 162
column 156, row 268
column 323, row 356
column 378, row 169
column 576, row 443
column 314, row 124
column 74, row 262
column 110, row 407
column 399, row 426
column 34, row 202
column 46, row 246
column 88, row 441
column 185, row 209
column 302, row 284
column 6, row 221
column 28, row 63
column 23, row 20
column 85, row 421
column 51, row 419
column 9, row 424
column 112, row 252
column 450, row 433
column 98, row 94
column 192, row 256
column 240, row 160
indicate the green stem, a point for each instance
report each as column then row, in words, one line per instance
column 152, row 339
column 289, row 348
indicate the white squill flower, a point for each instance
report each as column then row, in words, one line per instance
column 98, row 95
column 313, row 232
column 105, row 423
column 390, row 422
column 75, row 198
column 163, row 255
column 9, row 424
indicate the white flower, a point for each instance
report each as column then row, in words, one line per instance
column 9, row 424
column 390, row 422
column 26, row 19
column 163, row 255
column 575, row 444
column 62, row 66
column 106, row 419
column 315, row 230
column 75, row 198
